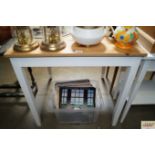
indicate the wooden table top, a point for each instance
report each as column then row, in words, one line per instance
column 105, row 49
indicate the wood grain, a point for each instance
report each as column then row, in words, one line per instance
column 105, row 49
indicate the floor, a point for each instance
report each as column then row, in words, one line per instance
column 15, row 114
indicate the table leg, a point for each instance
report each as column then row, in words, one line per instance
column 115, row 92
column 141, row 74
column 21, row 76
column 107, row 72
column 34, row 84
column 131, row 73
column 104, row 76
column 113, row 79
column 50, row 73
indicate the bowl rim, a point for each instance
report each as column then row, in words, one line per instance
column 89, row 27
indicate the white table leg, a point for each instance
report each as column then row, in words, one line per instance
column 131, row 73
column 21, row 76
column 140, row 76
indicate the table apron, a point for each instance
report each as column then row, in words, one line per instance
column 76, row 61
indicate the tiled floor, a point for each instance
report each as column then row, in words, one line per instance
column 14, row 112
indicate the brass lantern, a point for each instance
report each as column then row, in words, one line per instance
column 52, row 39
column 24, row 38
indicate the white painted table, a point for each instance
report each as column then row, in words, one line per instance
column 110, row 56
column 147, row 64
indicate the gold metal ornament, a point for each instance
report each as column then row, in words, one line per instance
column 52, row 39
column 25, row 41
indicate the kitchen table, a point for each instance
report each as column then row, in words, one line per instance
column 102, row 55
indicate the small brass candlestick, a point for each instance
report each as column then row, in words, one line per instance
column 52, row 39
column 25, row 41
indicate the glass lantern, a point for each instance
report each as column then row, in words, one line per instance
column 125, row 36
column 24, row 38
column 52, row 39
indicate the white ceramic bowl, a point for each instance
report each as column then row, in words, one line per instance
column 88, row 35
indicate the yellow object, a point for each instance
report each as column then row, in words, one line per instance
column 125, row 37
